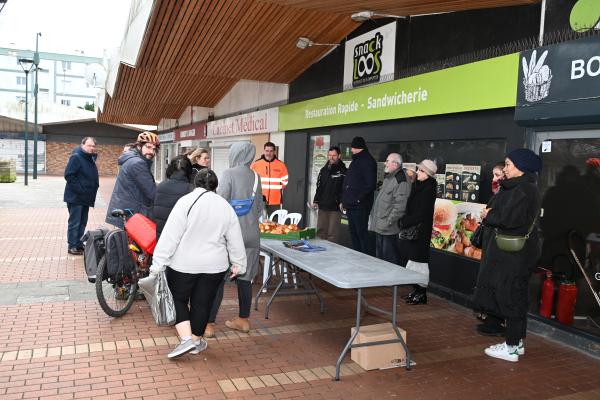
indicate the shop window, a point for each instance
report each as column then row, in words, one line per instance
column 65, row 102
column 21, row 80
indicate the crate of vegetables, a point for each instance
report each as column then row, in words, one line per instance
column 272, row 230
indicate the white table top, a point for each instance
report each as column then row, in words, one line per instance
column 344, row 267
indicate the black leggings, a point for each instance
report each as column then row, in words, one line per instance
column 244, row 296
column 197, row 290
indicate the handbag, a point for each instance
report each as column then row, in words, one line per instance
column 477, row 237
column 410, row 233
column 243, row 207
column 512, row 243
column 159, row 296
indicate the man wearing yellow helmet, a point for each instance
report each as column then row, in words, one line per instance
column 135, row 186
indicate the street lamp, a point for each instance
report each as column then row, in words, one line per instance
column 36, row 62
column 27, row 64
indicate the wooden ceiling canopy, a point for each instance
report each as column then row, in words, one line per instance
column 195, row 51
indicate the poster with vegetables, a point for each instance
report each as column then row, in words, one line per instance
column 441, row 185
column 454, row 223
column 471, row 176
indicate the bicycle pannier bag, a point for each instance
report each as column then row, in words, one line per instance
column 118, row 258
column 142, row 231
column 93, row 251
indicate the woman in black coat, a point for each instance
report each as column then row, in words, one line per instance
column 419, row 212
column 176, row 185
column 504, row 278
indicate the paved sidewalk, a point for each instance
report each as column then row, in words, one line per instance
column 56, row 343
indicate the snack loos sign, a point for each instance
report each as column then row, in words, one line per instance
column 263, row 121
column 369, row 58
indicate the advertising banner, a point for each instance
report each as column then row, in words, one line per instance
column 370, row 57
column 191, row 132
column 482, row 85
column 263, row 121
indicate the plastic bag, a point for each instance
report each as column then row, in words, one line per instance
column 156, row 290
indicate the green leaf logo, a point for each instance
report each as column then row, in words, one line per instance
column 585, row 15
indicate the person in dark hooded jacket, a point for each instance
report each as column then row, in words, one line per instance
column 238, row 183
column 82, row 185
column 135, row 187
column 503, row 281
column 176, row 185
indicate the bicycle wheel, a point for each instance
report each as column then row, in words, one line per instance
column 115, row 298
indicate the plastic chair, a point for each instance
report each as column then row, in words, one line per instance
column 294, row 218
column 278, row 216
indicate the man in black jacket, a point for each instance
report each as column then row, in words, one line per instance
column 82, row 185
column 359, row 187
column 329, row 195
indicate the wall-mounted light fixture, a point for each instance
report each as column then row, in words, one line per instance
column 362, row 16
column 304, row 42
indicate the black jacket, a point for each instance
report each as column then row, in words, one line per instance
column 419, row 210
column 81, row 175
column 360, row 181
column 503, row 280
column 330, row 185
column 167, row 194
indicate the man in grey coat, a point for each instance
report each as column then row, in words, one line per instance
column 389, row 207
column 237, row 183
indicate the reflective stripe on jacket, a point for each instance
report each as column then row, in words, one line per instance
column 273, row 178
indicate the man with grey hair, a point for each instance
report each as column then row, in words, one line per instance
column 82, row 185
column 389, row 207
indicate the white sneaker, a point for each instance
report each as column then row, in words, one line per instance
column 501, row 351
column 200, row 346
column 521, row 348
column 182, row 348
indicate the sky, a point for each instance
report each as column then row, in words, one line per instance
column 67, row 26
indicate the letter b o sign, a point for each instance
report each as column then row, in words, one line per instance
column 580, row 68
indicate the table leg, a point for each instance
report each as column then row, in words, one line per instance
column 395, row 326
column 269, row 273
column 352, row 337
column 272, row 297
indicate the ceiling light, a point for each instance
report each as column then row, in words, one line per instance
column 363, row 16
column 304, row 42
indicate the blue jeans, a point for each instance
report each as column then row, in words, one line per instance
column 386, row 248
column 358, row 222
column 78, row 217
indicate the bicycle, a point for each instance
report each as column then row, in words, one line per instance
column 116, row 294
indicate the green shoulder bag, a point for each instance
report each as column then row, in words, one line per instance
column 512, row 243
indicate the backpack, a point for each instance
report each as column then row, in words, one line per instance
column 93, row 251
column 118, row 259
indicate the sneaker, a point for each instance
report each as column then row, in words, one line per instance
column 239, row 324
column 75, row 251
column 501, row 351
column 521, row 348
column 209, row 331
column 200, row 346
column 182, row 348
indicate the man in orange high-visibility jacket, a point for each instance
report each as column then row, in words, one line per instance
column 273, row 177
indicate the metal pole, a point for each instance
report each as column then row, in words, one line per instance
column 26, row 126
column 36, row 62
column 542, row 22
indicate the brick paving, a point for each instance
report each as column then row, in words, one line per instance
column 56, row 343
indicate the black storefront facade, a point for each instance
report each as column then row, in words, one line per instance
column 476, row 136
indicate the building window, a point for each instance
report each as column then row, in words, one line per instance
column 21, row 80
column 65, row 102
column 21, row 99
column 66, row 65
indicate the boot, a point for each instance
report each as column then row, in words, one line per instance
column 411, row 294
column 419, row 298
column 209, row 332
column 240, row 324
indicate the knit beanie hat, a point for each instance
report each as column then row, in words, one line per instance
column 428, row 166
column 358, row 143
column 525, row 160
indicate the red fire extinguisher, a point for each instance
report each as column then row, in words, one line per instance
column 547, row 296
column 565, row 306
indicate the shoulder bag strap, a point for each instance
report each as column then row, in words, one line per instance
column 532, row 225
column 255, row 183
column 190, row 209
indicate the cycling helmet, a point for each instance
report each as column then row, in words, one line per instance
column 148, row 137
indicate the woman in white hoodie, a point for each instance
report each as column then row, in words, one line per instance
column 200, row 241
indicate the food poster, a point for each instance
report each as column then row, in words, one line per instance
column 441, row 185
column 454, row 223
column 319, row 149
column 470, row 183
column 453, row 181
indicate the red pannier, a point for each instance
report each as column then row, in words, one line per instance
column 142, row 231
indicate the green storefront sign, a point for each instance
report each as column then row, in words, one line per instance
column 478, row 86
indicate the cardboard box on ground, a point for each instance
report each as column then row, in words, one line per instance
column 379, row 356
